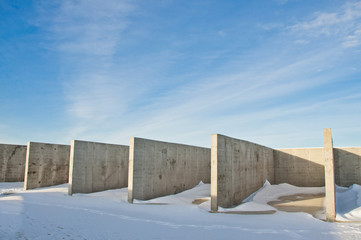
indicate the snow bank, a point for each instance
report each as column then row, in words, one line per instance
column 348, row 200
column 201, row 191
column 348, row 203
column 258, row 200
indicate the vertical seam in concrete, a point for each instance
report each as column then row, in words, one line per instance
column 71, row 167
column 26, row 166
column 274, row 167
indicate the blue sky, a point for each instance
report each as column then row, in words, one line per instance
column 272, row 72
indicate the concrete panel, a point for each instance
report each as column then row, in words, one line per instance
column 12, row 163
column 239, row 168
column 46, row 165
column 303, row 167
column 330, row 199
column 347, row 166
column 159, row 168
column 97, row 167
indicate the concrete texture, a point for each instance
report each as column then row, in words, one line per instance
column 347, row 166
column 159, row 168
column 239, row 168
column 97, row 167
column 330, row 201
column 303, row 167
column 46, row 165
column 12, row 163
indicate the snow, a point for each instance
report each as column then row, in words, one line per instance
column 49, row 213
column 348, row 203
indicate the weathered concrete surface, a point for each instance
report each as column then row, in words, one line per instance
column 159, row 168
column 239, row 168
column 303, row 167
column 12, row 163
column 97, row 167
column 330, row 200
column 46, row 165
column 347, row 166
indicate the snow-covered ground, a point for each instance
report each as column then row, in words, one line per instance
column 49, row 213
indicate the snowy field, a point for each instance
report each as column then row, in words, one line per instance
column 49, row 213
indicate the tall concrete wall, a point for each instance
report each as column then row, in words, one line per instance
column 303, row 167
column 46, row 165
column 97, row 167
column 12, row 163
column 347, row 166
column 239, row 168
column 159, row 168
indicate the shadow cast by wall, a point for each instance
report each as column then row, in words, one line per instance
column 347, row 166
column 302, row 167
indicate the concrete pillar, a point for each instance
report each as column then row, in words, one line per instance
column 329, row 175
column 131, row 170
column 214, row 173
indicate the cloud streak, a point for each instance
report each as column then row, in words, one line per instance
column 87, row 36
column 85, row 27
column 111, row 98
column 344, row 24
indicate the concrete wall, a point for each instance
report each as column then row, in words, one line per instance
column 347, row 166
column 97, row 167
column 46, row 165
column 159, row 168
column 12, row 163
column 239, row 168
column 303, row 167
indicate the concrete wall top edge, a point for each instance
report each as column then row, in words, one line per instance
column 99, row 143
column 180, row 144
column 49, row 143
column 242, row 140
column 280, row 149
column 345, row 148
column 13, row 144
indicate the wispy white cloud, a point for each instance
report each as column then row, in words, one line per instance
column 353, row 40
column 302, row 42
column 93, row 97
column 87, row 27
column 281, row 2
column 110, row 101
column 271, row 26
column 237, row 103
column 324, row 20
column 344, row 24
